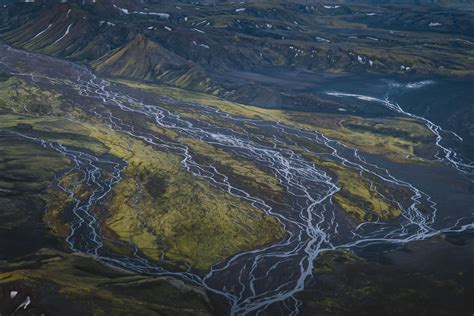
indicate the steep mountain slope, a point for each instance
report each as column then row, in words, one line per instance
column 271, row 54
column 447, row 3
column 144, row 59
column 320, row 38
column 66, row 31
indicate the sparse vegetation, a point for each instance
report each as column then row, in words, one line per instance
column 59, row 283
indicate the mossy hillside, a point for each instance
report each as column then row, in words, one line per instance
column 166, row 211
column 60, row 202
column 64, row 30
column 398, row 139
column 145, row 59
column 60, row 283
column 41, row 113
column 398, row 127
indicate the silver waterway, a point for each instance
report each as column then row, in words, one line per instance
column 264, row 279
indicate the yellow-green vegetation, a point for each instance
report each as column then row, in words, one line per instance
column 358, row 197
column 20, row 159
column 82, row 286
column 145, row 59
column 64, row 131
column 191, row 96
column 251, row 175
column 18, row 96
column 29, row 168
column 248, row 173
column 158, row 205
column 167, row 212
column 396, row 138
column 57, row 202
column 401, row 127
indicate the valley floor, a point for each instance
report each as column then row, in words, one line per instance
column 218, row 207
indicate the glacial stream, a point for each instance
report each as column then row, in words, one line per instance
column 264, row 279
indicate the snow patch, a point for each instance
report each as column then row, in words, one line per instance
column 158, row 14
column 47, row 28
column 123, row 10
column 25, row 304
column 321, row 39
column 412, row 85
column 64, row 35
